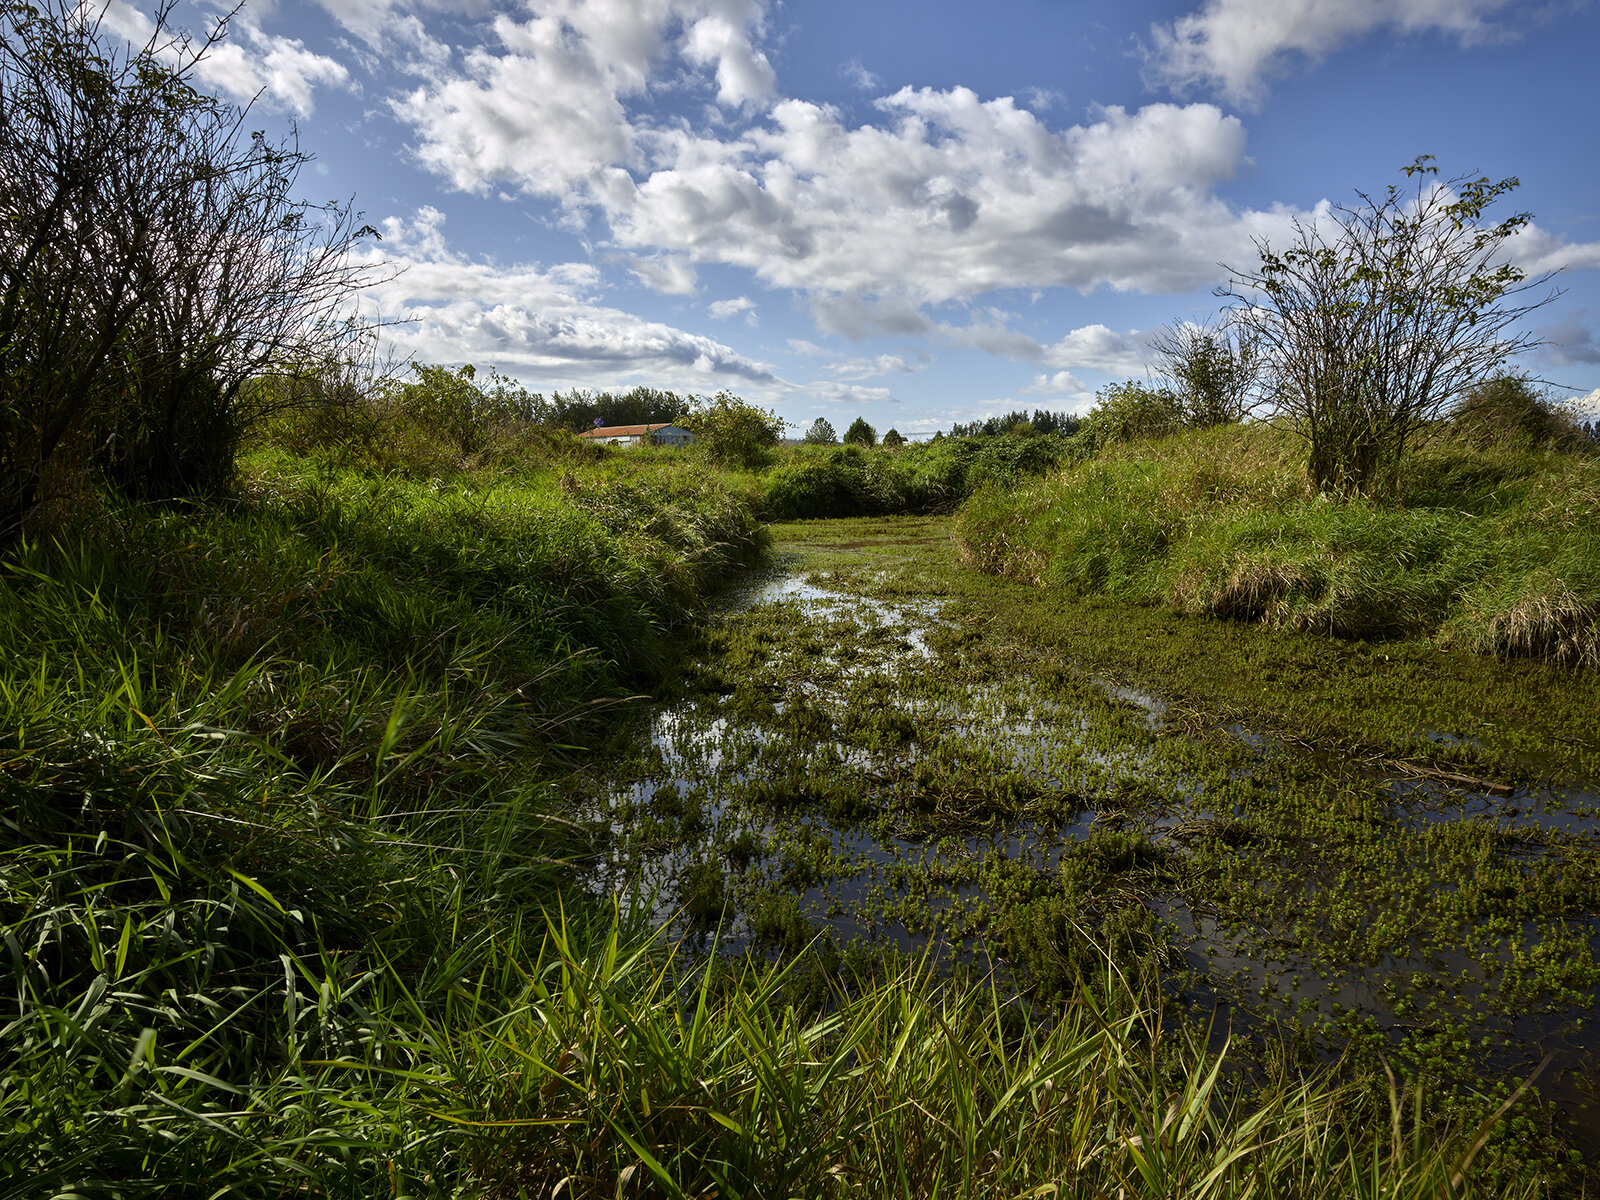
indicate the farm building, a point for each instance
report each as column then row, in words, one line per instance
column 636, row 435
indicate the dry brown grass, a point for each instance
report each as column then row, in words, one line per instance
column 1252, row 589
column 1550, row 620
column 1566, row 495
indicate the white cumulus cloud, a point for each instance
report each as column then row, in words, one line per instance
column 870, row 368
column 1537, row 250
column 834, row 392
column 1053, row 385
column 943, row 196
column 248, row 62
column 544, row 325
column 1099, row 348
column 1236, row 46
column 669, row 274
column 546, row 108
column 1090, row 347
column 950, row 197
column 1585, row 407
column 858, row 76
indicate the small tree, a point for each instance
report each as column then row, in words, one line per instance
column 449, row 404
column 821, row 433
column 860, row 433
column 1129, row 411
column 1374, row 321
column 1212, row 369
column 733, row 431
column 894, row 438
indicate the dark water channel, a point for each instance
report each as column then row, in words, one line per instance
column 856, row 755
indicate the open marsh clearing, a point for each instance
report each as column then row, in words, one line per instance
column 1382, row 851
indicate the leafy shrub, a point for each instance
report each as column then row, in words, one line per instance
column 453, row 406
column 830, row 487
column 1128, row 412
column 1010, row 457
column 860, row 433
column 1510, row 411
column 733, row 432
column 850, row 481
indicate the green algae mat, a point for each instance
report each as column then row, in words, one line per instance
column 1380, row 856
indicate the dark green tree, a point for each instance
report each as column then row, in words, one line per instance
column 894, row 438
column 860, row 433
column 578, row 409
column 821, row 433
column 1042, row 421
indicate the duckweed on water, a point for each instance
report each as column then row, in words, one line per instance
column 1386, row 853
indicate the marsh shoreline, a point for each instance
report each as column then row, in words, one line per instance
column 1339, row 852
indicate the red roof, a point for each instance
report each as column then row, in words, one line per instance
column 600, row 431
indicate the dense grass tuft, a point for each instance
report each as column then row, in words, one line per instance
column 622, row 1072
column 851, row 481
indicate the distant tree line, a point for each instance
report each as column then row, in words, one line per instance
column 821, row 433
column 578, row 409
column 1042, row 421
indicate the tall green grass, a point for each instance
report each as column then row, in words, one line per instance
column 280, row 838
column 272, row 810
column 624, row 1074
column 195, row 917
column 1497, row 549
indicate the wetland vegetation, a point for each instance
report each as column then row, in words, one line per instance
column 342, row 859
column 1381, row 854
column 399, row 796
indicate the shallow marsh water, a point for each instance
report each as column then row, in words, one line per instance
column 871, row 747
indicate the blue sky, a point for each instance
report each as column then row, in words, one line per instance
column 915, row 212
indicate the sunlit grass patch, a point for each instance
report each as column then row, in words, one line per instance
column 1494, row 548
column 624, row 1067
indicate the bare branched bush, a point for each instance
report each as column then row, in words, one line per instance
column 1374, row 321
column 1212, row 368
column 152, row 258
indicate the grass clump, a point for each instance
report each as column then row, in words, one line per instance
column 622, row 1070
column 208, row 925
column 1490, row 548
